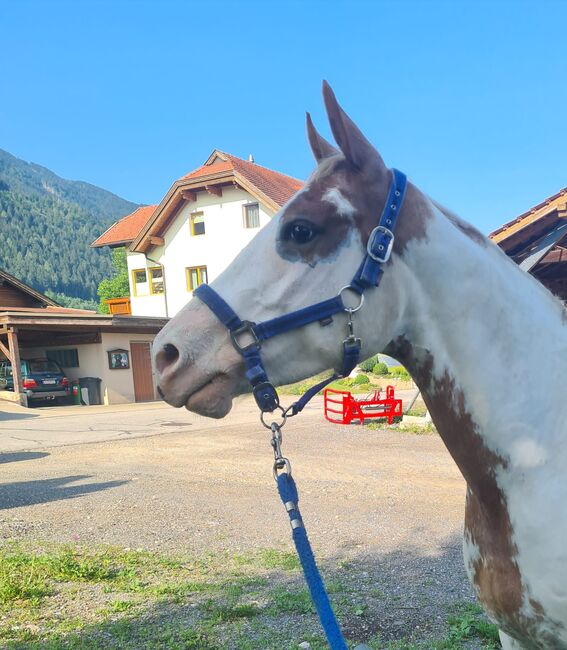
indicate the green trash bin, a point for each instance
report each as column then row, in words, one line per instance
column 76, row 392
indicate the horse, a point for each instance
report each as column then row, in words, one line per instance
column 473, row 330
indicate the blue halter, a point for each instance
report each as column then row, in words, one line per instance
column 247, row 337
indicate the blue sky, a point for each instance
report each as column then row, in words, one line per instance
column 468, row 98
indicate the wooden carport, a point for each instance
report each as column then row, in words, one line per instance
column 537, row 242
column 57, row 326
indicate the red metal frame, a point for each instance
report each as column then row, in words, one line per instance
column 342, row 408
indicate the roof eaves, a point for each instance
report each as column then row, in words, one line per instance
column 540, row 210
column 135, row 245
column 27, row 289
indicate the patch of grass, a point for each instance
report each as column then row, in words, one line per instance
column 80, row 598
column 291, row 602
column 22, row 577
column 216, row 613
column 469, row 622
column 271, row 558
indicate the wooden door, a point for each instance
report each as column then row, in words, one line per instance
column 142, row 371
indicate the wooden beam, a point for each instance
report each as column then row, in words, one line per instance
column 15, row 360
column 5, row 350
column 156, row 241
column 188, row 195
column 214, row 189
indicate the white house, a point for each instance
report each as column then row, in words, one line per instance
column 201, row 224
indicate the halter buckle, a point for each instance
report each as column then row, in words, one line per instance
column 247, row 327
column 373, row 247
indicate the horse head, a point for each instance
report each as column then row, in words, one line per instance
column 309, row 250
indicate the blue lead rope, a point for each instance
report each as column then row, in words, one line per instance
column 247, row 338
column 290, row 498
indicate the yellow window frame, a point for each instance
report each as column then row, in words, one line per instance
column 150, row 280
column 199, row 270
column 192, row 218
column 134, row 283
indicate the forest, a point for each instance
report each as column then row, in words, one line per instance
column 46, row 227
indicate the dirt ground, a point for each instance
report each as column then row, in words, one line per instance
column 389, row 500
column 199, row 486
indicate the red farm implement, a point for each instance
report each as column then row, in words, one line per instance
column 342, row 408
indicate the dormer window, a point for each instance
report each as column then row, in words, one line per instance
column 197, row 223
column 251, row 215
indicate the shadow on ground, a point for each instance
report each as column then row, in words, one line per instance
column 16, row 456
column 27, row 493
column 9, row 415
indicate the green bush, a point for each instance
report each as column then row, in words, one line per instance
column 369, row 363
column 361, row 379
column 380, row 369
column 400, row 372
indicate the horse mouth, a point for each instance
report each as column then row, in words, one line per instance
column 212, row 399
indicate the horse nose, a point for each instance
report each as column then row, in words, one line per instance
column 166, row 358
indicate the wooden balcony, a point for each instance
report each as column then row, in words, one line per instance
column 119, row 306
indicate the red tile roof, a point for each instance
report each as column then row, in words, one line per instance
column 275, row 185
column 127, row 229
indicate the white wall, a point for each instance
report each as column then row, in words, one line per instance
column 117, row 386
column 225, row 236
column 144, row 305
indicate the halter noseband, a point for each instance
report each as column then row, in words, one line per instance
column 369, row 274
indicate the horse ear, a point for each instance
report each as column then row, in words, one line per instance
column 348, row 136
column 319, row 146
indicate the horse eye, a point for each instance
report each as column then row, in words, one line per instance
column 300, row 232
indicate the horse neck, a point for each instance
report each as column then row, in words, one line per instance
column 478, row 335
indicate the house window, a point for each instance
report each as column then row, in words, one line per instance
column 198, row 223
column 65, row 358
column 196, row 275
column 140, row 282
column 156, row 280
column 251, row 215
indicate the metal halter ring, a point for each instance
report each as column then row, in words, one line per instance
column 280, row 465
column 280, row 424
column 352, row 310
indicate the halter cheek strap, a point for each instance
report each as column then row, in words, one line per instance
column 247, row 337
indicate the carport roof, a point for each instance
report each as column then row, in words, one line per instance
column 77, row 319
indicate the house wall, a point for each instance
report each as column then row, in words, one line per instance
column 117, row 386
column 144, row 305
column 225, row 236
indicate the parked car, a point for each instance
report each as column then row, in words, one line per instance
column 42, row 379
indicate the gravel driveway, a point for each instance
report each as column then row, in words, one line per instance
column 390, row 503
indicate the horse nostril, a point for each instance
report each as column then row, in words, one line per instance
column 167, row 356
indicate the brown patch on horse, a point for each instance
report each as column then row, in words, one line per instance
column 367, row 192
column 466, row 228
column 332, row 227
column 487, row 522
column 496, row 574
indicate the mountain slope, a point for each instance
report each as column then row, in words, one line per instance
column 47, row 224
column 29, row 178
